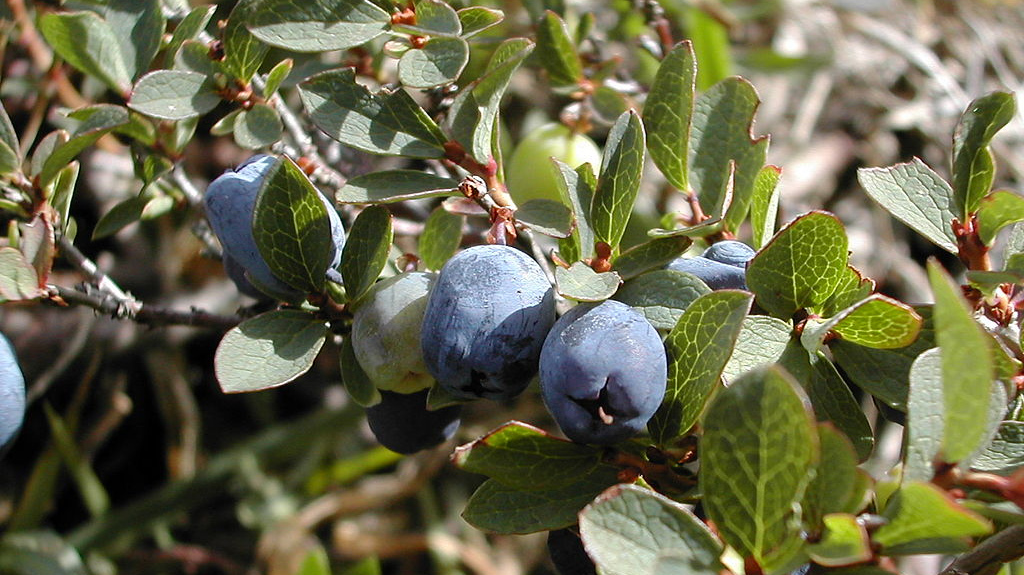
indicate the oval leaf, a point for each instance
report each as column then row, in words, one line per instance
column 581, row 283
column 394, row 186
column 668, row 113
column 441, row 237
column 698, row 348
column 366, row 250
column 662, row 295
column 758, row 449
column 268, row 350
column 547, row 217
column 292, row 229
column 317, row 26
column 174, row 94
column 801, row 266
column 619, row 181
column 386, row 123
column 629, row 529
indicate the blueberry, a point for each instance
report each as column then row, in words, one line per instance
column 603, row 372
column 730, row 252
column 386, row 332
column 486, row 319
column 402, row 423
column 230, row 200
column 12, row 393
column 567, row 553
column 715, row 274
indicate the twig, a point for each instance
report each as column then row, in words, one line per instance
column 102, row 280
column 110, row 305
column 989, row 555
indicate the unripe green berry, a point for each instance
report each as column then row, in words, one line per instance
column 531, row 175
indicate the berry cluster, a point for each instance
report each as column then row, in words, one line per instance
column 482, row 328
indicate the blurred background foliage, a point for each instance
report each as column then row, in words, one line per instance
column 131, row 459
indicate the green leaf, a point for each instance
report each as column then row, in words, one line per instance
column 759, row 448
column 925, row 425
column 243, row 52
column 385, row 123
column 662, row 295
column 835, row 480
column 801, row 266
column 619, row 181
column 358, row 385
column 996, row 211
column 433, row 18
column 395, row 186
column 39, row 553
column 61, row 190
column 629, row 529
column 194, row 56
column 441, row 237
column 879, row 322
column 830, row 396
column 278, row 74
column 476, row 19
column 89, row 486
column 439, row 61
column 649, row 255
column 967, row 369
column 366, row 250
column 498, row 508
column 852, row 289
column 761, row 341
column 524, row 457
column 44, row 149
column 258, row 127
column 368, row 566
column 128, row 212
column 268, row 350
column 140, row 27
column 547, row 217
column 95, row 121
column 922, row 512
column 556, row 51
column 189, row 28
column 668, row 113
column 10, row 160
column 474, row 111
column 844, row 542
column 884, row 373
column 698, row 348
column 8, row 135
column 174, row 94
column 973, row 166
column 721, row 133
column 317, row 25
column 915, row 195
column 292, row 229
column 88, row 43
column 581, row 283
column 1005, row 454
column 764, row 205
column 18, row 279
column 577, row 190
column 316, row 562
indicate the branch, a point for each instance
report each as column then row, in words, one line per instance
column 989, row 555
column 138, row 312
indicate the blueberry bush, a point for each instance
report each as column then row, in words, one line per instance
column 537, row 252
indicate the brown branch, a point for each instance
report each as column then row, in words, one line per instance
column 990, row 555
column 131, row 309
